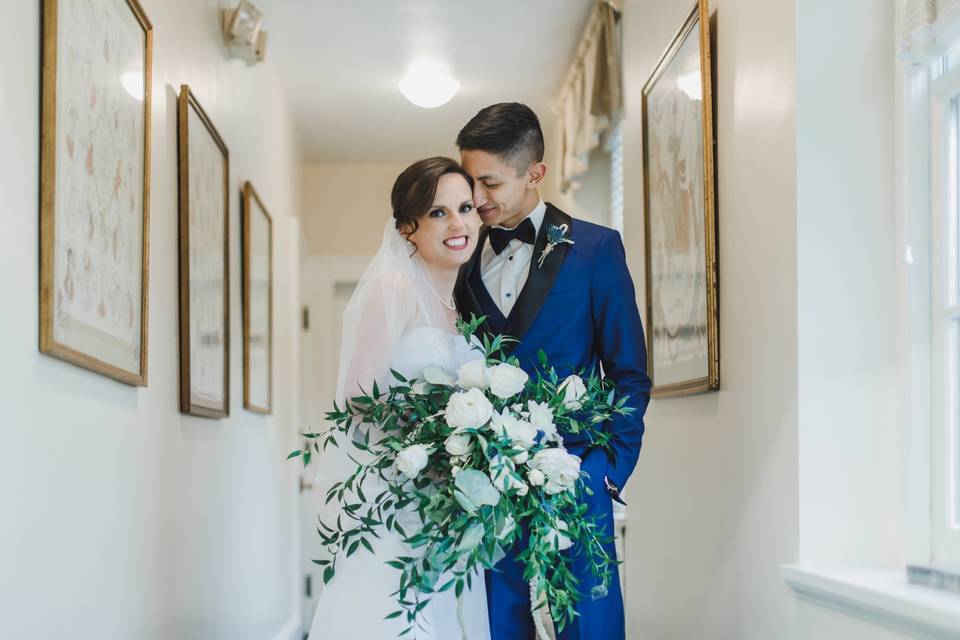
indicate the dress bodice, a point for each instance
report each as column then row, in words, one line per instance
column 429, row 346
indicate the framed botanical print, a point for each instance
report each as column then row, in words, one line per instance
column 257, row 303
column 680, row 215
column 204, row 262
column 95, row 185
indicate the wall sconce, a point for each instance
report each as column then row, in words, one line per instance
column 242, row 34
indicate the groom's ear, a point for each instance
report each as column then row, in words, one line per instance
column 535, row 175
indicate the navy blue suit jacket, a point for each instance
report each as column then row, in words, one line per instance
column 580, row 308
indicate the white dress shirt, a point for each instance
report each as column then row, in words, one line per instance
column 505, row 274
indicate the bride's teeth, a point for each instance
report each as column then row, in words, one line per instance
column 455, row 242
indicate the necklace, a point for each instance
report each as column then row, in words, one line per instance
column 449, row 305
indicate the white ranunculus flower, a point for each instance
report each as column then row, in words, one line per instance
column 560, row 468
column 541, row 416
column 573, row 389
column 555, row 536
column 521, row 433
column 412, row 460
column 458, row 444
column 536, row 478
column 473, row 375
column 468, row 410
column 506, row 380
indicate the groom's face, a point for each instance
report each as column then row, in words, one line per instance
column 500, row 192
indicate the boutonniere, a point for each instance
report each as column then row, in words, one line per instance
column 556, row 234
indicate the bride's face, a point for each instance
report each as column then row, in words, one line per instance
column 447, row 234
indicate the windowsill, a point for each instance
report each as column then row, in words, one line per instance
column 880, row 595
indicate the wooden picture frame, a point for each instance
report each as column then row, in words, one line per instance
column 257, row 303
column 95, row 124
column 680, row 221
column 204, row 212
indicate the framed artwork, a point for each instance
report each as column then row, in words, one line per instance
column 204, row 262
column 257, row 303
column 680, row 215
column 95, row 185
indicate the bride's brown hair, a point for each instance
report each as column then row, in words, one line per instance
column 414, row 190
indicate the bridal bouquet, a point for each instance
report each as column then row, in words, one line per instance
column 476, row 456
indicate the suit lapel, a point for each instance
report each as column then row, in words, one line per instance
column 466, row 297
column 541, row 278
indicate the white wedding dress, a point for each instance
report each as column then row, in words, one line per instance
column 393, row 321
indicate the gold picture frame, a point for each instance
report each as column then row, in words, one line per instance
column 204, row 241
column 680, row 222
column 95, row 187
column 257, row 303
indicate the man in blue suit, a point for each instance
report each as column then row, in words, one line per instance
column 561, row 285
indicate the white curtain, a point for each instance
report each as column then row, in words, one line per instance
column 591, row 97
column 923, row 22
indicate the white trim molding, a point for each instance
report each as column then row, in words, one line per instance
column 880, row 595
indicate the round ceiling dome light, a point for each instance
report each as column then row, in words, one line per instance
column 428, row 84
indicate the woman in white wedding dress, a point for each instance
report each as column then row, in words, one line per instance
column 402, row 317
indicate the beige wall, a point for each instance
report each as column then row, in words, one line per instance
column 346, row 206
column 123, row 518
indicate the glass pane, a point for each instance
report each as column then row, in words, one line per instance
column 952, row 406
column 951, row 242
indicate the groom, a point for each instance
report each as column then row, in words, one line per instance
column 561, row 285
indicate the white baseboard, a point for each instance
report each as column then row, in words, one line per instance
column 291, row 629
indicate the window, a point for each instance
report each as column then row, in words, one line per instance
column 941, row 245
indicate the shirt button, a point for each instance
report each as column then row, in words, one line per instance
column 510, row 258
column 509, row 295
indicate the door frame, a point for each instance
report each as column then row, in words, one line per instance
column 319, row 277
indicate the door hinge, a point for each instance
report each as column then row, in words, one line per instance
column 306, row 318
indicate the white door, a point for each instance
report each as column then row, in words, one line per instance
column 327, row 287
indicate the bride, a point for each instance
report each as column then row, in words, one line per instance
column 402, row 317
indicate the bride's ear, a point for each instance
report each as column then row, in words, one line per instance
column 407, row 230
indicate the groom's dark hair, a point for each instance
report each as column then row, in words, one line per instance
column 508, row 130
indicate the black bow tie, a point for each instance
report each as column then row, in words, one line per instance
column 524, row 232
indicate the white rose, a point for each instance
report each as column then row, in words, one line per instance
column 473, row 375
column 506, row 380
column 536, row 477
column 468, row 409
column 458, row 444
column 541, row 416
column 521, row 433
column 455, row 469
column 554, row 537
column 521, row 457
column 412, row 460
column 560, row 468
column 573, row 389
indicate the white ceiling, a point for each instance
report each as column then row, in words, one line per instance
column 340, row 61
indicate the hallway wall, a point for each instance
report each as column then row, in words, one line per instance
column 715, row 505
column 123, row 518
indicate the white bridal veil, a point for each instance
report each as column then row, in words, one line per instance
column 395, row 297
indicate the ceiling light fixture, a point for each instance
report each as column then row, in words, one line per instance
column 428, row 84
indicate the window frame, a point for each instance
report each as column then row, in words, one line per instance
column 932, row 375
